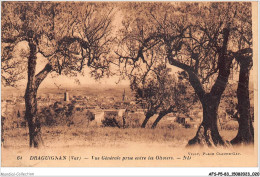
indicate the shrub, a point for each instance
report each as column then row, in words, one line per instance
column 90, row 116
column 230, row 125
column 57, row 114
column 111, row 120
column 134, row 120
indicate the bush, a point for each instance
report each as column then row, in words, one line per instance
column 111, row 120
column 90, row 116
column 164, row 124
column 134, row 120
column 57, row 114
column 230, row 125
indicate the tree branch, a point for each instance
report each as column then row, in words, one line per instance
column 224, row 65
column 42, row 75
column 14, row 40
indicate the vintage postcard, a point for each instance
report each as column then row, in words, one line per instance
column 129, row 84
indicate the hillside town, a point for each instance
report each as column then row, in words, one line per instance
column 89, row 109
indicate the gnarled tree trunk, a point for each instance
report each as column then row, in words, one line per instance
column 160, row 116
column 147, row 117
column 30, row 96
column 245, row 133
column 208, row 133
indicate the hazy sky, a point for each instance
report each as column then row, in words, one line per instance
column 66, row 81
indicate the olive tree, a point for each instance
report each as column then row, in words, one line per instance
column 198, row 38
column 69, row 35
column 162, row 93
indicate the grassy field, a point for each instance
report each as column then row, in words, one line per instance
column 86, row 142
column 107, row 136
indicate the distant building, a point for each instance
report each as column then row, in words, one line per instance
column 66, row 96
column 124, row 96
column 99, row 116
column 183, row 120
column 171, row 118
column 121, row 112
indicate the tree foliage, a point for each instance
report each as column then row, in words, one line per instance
column 69, row 35
column 161, row 92
column 200, row 38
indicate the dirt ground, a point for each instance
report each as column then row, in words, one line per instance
column 114, row 147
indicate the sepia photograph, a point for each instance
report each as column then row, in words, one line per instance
column 129, row 84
